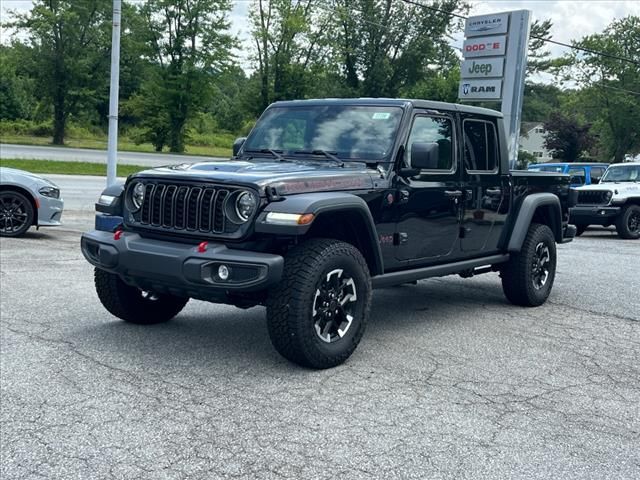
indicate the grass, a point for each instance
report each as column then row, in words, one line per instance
column 67, row 168
column 124, row 145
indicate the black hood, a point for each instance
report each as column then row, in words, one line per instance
column 287, row 177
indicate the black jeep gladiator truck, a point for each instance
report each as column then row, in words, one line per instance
column 323, row 202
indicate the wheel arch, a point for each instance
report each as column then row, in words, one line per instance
column 340, row 215
column 543, row 208
column 27, row 194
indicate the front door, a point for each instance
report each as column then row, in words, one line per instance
column 429, row 203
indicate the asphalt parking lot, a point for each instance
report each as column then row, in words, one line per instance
column 450, row 380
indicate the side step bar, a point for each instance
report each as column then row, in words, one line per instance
column 406, row 276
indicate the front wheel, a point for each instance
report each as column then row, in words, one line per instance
column 628, row 223
column 528, row 276
column 134, row 305
column 16, row 214
column 317, row 314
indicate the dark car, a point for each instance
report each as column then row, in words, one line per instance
column 323, row 202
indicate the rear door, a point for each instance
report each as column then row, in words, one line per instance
column 485, row 189
column 428, row 207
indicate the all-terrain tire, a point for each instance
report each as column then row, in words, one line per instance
column 628, row 222
column 132, row 304
column 580, row 229
column 296, row 315
column 523, row 279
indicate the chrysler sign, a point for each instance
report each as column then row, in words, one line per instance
column 487, row 25
column 481, row 89
column 484, row 46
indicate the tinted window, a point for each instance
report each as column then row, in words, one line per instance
column 480, row 149
column 347, row 131
column 577, row 176
column 433, row 130
column 596, row 174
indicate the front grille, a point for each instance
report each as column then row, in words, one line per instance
column 593, row 197
column 186, row 208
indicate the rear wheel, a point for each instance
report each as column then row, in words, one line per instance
column 134, row 305
column 16, row 214
column 317, row 314
column 628, row 223
column 527, row 278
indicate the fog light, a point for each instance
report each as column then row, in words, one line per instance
column 223, row 272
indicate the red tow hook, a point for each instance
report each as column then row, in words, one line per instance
column 117, row 235
column 202, row 247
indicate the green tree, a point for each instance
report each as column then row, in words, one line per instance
column 567, row 138
column 611, row 94
column 188, row 43
column 387, row 46
column 69, row 43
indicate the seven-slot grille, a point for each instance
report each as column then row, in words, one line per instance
column 185, row 207
column 593, row 197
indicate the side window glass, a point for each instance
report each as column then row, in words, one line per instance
column 577, row 176
column 596, row 174
column 430, row 145
column 480, row 148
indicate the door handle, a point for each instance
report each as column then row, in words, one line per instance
column 453, row 194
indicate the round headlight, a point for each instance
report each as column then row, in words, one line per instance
column 137, row 195
column 245, row 206
column 609, row 195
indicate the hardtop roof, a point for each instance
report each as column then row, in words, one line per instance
column 391, row 102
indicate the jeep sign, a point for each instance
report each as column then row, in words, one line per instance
column 482, row 68
column 480, row 89
column 487, row 25
column 484, row 46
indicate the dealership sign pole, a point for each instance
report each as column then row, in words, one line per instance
column 112, row 146
column 494, row 66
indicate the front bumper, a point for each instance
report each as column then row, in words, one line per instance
column 49, row 211
column 179, row 268
column 593, row 215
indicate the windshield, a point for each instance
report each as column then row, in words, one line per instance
column 623, row 173
column 346, row 131
column 546, row 168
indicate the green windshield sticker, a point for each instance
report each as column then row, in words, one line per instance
column 381, row 116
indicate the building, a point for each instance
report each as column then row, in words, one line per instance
column 532, row 141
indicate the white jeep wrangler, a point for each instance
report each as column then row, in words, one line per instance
column 613, row 201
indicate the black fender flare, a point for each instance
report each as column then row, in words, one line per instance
column 115, row 190
column 320, row 204
column 525, row 215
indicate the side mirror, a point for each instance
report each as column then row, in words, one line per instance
column 424, row 156
column 237, row 145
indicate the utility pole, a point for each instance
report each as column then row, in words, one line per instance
column 114, row 93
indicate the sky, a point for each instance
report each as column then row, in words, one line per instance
column 571, row 19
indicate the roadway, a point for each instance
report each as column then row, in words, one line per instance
column 95, row 156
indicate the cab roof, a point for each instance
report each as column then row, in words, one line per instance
column 391, row 102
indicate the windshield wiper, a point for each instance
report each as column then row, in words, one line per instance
column 329, row 155
column 275, row 153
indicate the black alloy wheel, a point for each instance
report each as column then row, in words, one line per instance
column 16, row 214
column 334, row 306
column 540, row 266
column 628, row 223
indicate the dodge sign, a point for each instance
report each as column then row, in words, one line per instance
column 484, row 46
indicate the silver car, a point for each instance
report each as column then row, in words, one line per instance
column 27, row 200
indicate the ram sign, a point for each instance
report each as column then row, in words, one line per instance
column 481, row 89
